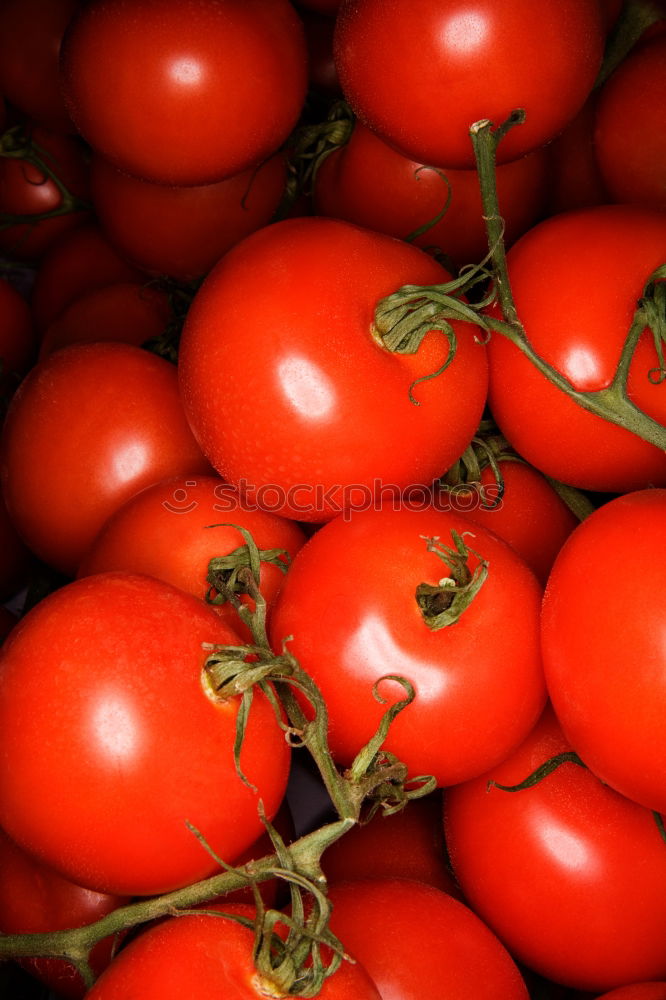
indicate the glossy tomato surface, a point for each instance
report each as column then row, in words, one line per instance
column 605, row 649
column 105, row 763
column 478, row 683
column 289, row 394
column 201, row 90
column 421, row 73
column 91, row 425
column 421, row 937
column 576, row 279
column 568, row 873
column 208, row 958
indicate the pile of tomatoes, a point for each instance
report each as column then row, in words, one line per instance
column 333, row 499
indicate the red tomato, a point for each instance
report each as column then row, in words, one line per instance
column 405, row 844
column 78, row 263
column 88, row 427
column 630, row 129
column 410, row 195
column 128, row 311
column 420, row 74
column 569, row 874
column 26, row 190
column 411, row 936
column 165, row 531
column 208, row 958
column 529, row 515
column 33, row 898
column 313, row 411
column 595, row 262
column 101, row 769
column 183, row 231
column 475, row 699
column 30, row 35
column 603, row 644
column 200, row 91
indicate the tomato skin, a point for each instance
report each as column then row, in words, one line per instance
column 99, row 765
column 81, row 261
column 576, row 280
column 612, row 710
column 422, row 936
column 166, row 531
column 469, row 48
column 630, row 126
column 126, row 311
column 27, row 190
column 34, row 898
column 410, row 195
column 479, row 684
column 206, row 958
column 530, row 515
column 66, row 466
column 569, row 874
column 637, row 991
column 180, row 114
column 183, row 231
column 327, row 411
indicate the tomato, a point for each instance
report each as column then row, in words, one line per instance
column 312, row 410
column 30, row 36
column 576, row 279
column 172, row 530
column 207, row 957
column 183, row 231
column 34, row 898
column 200, row 91
column 420, row 74
column 405, row 844
column 17, row 337
column 612, row 709
column 410, row 936
column 568, row 873
column 89, row 426
column 79, row 262
column 630, row 126
column 26, row 190
column 478, row 683
column 412, row 195
column 529, row 515
column 101, row 769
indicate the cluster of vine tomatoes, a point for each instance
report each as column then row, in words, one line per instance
column 218, row 224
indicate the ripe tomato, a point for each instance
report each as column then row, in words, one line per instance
column 88, row 427
column 206, row 958
column 420, row 74
column 128, row 311
column 530, row 515
column 630, row 127
column 26, row 190
column 479, row 683
column 30, row 35
column 34, row 898
column 171, row 530
column 411, row 936
column 576, row 280
column 101, row 769
column 82, row 260
column 604, row 654
column 410, row 195
column 568, row 873
column 183, row 231
column 312, row 410
column 201, row 90
column 405, row 844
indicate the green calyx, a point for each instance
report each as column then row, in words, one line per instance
column 443, row 603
